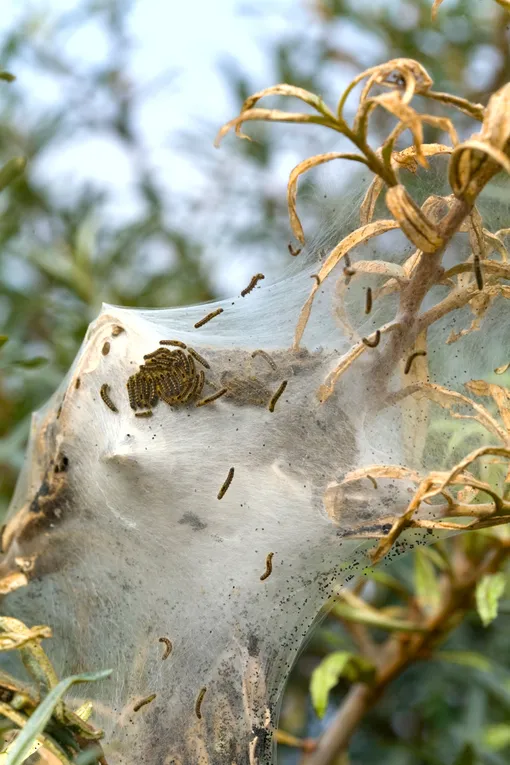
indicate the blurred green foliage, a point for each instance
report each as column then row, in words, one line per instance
column 63, row 252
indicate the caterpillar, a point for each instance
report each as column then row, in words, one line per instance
column 372, row 480
column 410, row 360
column 266, row 356
column 226, row 483
column 199, row 358
column 368, row 300
column 214, row 396
column 106, row 398
column 372, row 343
column 208, row 317
column 277, row 395
column 168, row 647
column 478, row 272
column 173, row 342
column 269, row 567
column 198, row 702
column 252, row 284
column 144, row 702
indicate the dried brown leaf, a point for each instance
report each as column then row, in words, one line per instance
column 400, row 523
column 479, row 304
column 413, row 75
column 500, row 395
column 367, row 208
column 450, row 477
column 435, row 8
column 413, row 222
column 12, row 582
column 475, row 111
column 271, row 115
column 303, row 167
column 449, row 399
column 496, row 121
column 406, row 160
column 381, row 268
column 340, row 313
column 290, row 91
column 382, row 471
column 396, row 105
column 360, row 236
column 327, row 388
column 494, row 244
column 465, row 163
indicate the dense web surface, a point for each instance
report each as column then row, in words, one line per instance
column 132, row 543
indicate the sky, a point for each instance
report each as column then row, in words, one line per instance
column 187, row 41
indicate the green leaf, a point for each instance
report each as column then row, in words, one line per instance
column 497, row 737
column 466, row 659
column 331, row 669
column 373, row 618
column 7, row 76
column 436, row 557
column 11, row 170
column 3, row 340
column 425, row 581
column 466, row 756
column 25, row 740
column 387, row 580
column 33, row 363
column 488, row 592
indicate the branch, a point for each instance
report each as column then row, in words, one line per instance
column 398, row 652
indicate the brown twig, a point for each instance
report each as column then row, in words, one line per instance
column 397, row 653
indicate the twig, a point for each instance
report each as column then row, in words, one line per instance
column 396, row 655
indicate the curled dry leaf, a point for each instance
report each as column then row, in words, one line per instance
column 12, row 582
column 455, row 472
column 462, row 104
column 345, row 361
column 380, row 268
column 500, row 395
column 290, row 91
column 393, row 285
column 360, row 236
column 271, row 115
column 393, row 103
column 415, row 77
column 11, row 641
column 479, row 304
column 406, row 160
column 476, row 160
column 382, row 471
column 303, row 167
column 494, row 243
column 327, row 388
column 449, row 399
column 413, row 222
